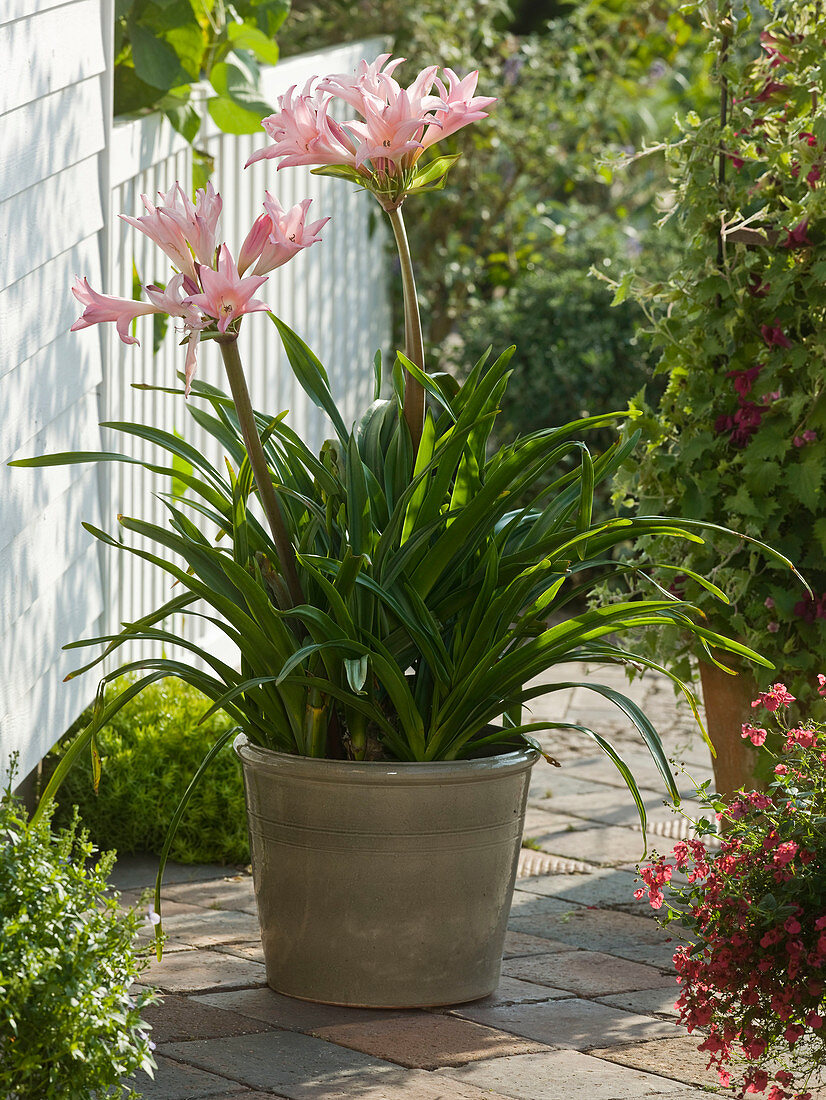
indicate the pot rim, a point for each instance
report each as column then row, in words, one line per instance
column 402, row 771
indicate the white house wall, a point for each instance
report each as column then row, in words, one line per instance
column 54, row 111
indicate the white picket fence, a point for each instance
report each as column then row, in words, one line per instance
column 59, row 201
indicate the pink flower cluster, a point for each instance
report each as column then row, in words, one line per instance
column 394, row 127
column 208, row 290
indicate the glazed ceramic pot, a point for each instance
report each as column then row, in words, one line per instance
column 384, row 884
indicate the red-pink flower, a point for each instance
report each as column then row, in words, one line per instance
column 785, row 853
column 226, row 296
column 277, row 235
column 775, row 336
column 821, row 684
column 777, row 696
column 806, row 738
column 797, row 237
column 756, row 736
column 744, row 379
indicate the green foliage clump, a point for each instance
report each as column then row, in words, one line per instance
column 68, row 1025
column 575, row 356
column 149, row 752
column 740, row 435
column 163, row 48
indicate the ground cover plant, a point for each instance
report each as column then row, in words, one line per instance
column 69, row 1026
column 148, row 753
column 753, row 974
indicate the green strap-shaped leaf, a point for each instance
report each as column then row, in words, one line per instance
column 311, row 375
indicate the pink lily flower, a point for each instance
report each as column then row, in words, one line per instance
column 303, row 134
column 199, row 222
column 164, row 231
column 181, row 228
column 173, row 302
column 463, row 107
column 100, row 308
column 226, row 296
column 389, row 132
column 352, row 87
column 277, row 235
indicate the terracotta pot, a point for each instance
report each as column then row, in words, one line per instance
column 384, row 885
column 728, row 705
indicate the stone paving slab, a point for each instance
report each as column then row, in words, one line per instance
column 527, row 904
column 603, row 886
column 558, row 1075
column 178, row 1018
column 606, row 845
column 174, row 1081
column 547, row 820
column 676, row 1057
column 192, row 971
column 660, row 955
column 513, row 991
column 427, row 1040
column 253, row 950
column 599, row 929
column 653, row 1002
column 300, row 1067
column 137, row 872
column 202, row 927
column 235, row 892
column 288, row 1013
column 518, row 944
column 587, row 973
column 570, row 1023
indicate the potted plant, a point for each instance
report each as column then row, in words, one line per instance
column 753, row 973
column 396, row 599
column 739, row 432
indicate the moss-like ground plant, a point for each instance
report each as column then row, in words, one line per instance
column 149, row 752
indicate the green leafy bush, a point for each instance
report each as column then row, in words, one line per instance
column 68, row 1025
column 149, row 752
column 163, row 48
column 575, row 356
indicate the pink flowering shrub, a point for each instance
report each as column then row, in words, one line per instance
column 753, row 974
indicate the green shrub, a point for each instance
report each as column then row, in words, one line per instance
column 68, row 1025
column 575, row 356
column 149, row 753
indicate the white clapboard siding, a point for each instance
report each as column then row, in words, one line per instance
column 51, row 50
column 55, row 112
